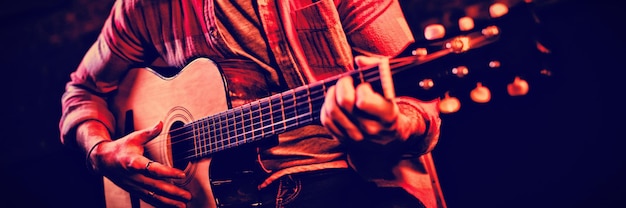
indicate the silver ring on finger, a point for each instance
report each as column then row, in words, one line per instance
column 147, row 168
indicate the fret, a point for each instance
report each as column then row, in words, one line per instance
column 220, row 133
column 303, row 105
column 242, row 124
column 290, row 112
column 266, row 117
column 225, row 129
column 201, row 137
column 282, row 111
column 255, row 112
column 360, row 73
column 213, row 141
column 230, row 123
column 196, row 141
column 295, row 108
column 316, row 98
column 210, row 144
column 248, row 122
column 277, row 113
column 237, row 127
column 207, row 136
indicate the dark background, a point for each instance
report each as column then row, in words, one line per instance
column 559, row 146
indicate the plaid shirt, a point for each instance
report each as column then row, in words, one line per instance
column 315, row 40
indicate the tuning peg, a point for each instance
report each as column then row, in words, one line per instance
column 494, row 64
column 459, row 44
column 426, row 84
column 434, row 31
column 466, row 23
column 480, row 94
column 546, row 72
column 419, row 52
column 449, row 104
column 498, row 10
column 490, row 31
column 518, row 87
column 460, row 71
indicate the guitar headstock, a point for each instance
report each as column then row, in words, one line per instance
column 503, row 58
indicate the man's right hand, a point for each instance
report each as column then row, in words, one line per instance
column 122, row 161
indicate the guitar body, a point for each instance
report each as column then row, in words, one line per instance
column 146, row 98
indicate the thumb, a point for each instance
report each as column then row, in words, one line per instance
column 145, row 135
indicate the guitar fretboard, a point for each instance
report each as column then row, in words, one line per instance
column 256, row 120
column 272, row 115
column 263, row 118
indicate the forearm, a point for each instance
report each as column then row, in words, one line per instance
column 80, row 109
column 91, row 133
column 375, row 27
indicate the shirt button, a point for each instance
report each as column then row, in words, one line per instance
column 213, row 33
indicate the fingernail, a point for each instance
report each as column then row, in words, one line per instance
column 356, row 136
column 157, row 127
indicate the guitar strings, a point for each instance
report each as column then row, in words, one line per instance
column 223, row 138
column 403, row 62
column 369, row 75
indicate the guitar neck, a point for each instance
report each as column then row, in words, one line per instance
column 265, row 117
column 294, row 108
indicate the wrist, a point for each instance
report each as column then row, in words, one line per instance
column 90, row 135
column 88, row 160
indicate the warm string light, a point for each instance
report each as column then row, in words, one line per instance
column 466, row 23
column 497, row 10
column 518, row 87
column 449, row 104
column 480, row 94
column 435, row 33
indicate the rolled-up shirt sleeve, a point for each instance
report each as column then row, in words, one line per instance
column 375, row 26
column 117, row 49
column 421, row 113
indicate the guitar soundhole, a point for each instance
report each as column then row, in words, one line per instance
column 180, row 142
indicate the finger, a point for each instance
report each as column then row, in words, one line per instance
column 375, row 105
column 370, row 127
column 161, row 201
column 141, row 137
column 345, row 99
column 344, row 89
column 159, row 170
column 363, row 61
column 139, row 164
column 163, row 188
column 325, row 114
column 155, row 192
column 336, row 116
